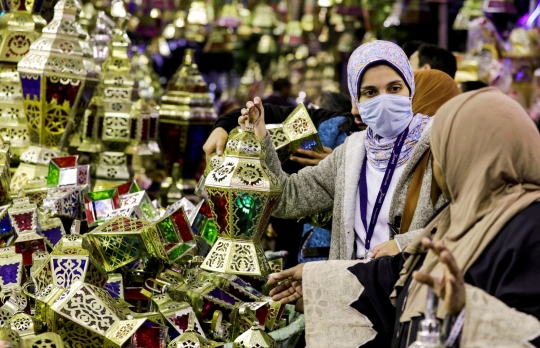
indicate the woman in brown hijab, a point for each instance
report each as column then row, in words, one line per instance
column 483, row 261
column 434, row 88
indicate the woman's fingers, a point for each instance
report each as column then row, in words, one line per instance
column 281, row 287
column 289, row 299
column 448, row 259
column 424, row 278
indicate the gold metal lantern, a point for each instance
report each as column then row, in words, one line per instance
column 57, row 78
column 20, row 25
column 255, row 338
column 186, row 120
column 242, row 193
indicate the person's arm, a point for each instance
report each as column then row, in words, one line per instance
column 309, row 191
column 272, row 114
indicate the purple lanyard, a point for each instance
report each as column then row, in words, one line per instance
column 389, row 172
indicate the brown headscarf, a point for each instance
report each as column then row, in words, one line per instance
column 489, row 152
column 433, row 89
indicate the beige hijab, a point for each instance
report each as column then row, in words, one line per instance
column 489, row 152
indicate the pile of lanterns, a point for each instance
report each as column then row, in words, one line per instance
column 88, row 258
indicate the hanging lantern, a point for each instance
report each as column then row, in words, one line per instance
column 15, row 41
column 241, row 193
column 186, row 120
column 5, row 173
column 57, row 77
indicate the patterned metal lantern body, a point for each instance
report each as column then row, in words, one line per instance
column 23, row 324
column 142, row 204
column 192, row 338
column 176, row 314
column 296, row 132
column 24, row 217
column 255, row 338
column 45, row 340
column 52, row 231
column 118, row 90
column 139, row 135
column 242, row 193
column 206, row 298
column 112, row 169
column 65, row 201
column 122, row 240
column 36, row 190
column 92, row 124
column 11, row 270
column 57, row 78
column 89, row 317
column 234, row 285
column 9, row 338
column 186, row 120
column 68, row 263
column 20, row 25
column 115, row 286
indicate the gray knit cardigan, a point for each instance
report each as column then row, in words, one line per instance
column 334, row 184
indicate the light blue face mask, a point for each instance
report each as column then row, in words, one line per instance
column 387, row 114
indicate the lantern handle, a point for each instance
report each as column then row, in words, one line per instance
column 155, row 289
column 25, row 289
column 257, row 120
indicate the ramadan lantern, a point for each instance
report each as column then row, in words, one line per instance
column 242, row 193
column 186, row 120
column 57, row 77
column 20, row 25
column 255, row 338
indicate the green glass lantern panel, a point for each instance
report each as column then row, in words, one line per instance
column 249, row 207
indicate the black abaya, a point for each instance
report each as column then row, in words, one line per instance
column 508, row 269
